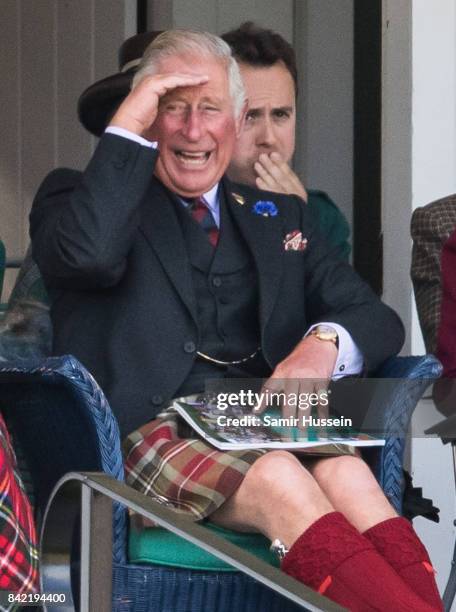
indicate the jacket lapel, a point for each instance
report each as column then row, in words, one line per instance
column 162, row 230
column 264, row 236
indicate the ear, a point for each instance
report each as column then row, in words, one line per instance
column 241, row 118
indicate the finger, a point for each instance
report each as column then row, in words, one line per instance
column 291, row 393
column 322, row 410
column 277, row 158
column 261, row 184
column 306, row 387
column 139, row 109
column 170, row 80
column 288, row 179
column 163, row 84
column 323, row 405
column 279, row 162
column 276, row 170
column 278, row 175
column 263, row 173
column 269, row 388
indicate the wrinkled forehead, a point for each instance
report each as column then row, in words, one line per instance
column 217, row 87
column 193, row 63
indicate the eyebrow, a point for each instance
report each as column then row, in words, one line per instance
column 288, row 109
column 212, row 100
column 260, row 109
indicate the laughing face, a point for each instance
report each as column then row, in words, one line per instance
column 195, row 128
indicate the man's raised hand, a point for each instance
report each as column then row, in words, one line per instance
column 139, row 110
column 274, row 174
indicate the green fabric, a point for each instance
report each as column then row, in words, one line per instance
column 161, row 547
column 333, row 224
column 29, row 283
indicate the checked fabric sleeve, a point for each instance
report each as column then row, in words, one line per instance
column 18, row 541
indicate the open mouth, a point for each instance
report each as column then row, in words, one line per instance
column 193, row 159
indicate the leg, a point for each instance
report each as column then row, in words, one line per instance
column 353, row 490
column 289, row 490
column 280, row 498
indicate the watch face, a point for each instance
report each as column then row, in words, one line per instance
column 325, row 332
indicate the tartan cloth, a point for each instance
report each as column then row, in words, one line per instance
column 183, row 472
column 431, row 227
column 18, row 541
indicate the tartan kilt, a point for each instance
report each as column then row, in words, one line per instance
column 164, row 459
column 18, row 540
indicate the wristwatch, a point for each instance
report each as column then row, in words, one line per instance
column 326, row 334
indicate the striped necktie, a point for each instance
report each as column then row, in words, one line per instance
column 200, row 211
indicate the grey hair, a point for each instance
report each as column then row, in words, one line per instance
column 193, row 42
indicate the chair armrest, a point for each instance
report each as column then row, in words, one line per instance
column 96, row 570
column 406, row 379
column 422, row 366
column 64, row 423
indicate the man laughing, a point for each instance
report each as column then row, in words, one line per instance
column 162, row 274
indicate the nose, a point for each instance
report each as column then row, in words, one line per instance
column 266, row 136
column 192, row 126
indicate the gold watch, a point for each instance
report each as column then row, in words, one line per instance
column 326, row 334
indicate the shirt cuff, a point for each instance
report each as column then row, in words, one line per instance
column 112, row 129
column 349, row 359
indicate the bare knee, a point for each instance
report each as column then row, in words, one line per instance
column 269, row 485
column 346, row 473
column 277, row 472
column 275, row 488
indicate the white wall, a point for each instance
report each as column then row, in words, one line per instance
column 396, row 157
column 324, row 45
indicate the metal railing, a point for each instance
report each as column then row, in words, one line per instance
column 90, row 496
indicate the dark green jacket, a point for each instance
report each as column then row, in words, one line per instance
column 333, row 225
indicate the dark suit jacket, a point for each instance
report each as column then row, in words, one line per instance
column 111, row 252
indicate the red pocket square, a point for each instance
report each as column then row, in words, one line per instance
column 294, row 241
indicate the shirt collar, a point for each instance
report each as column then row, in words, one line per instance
column 211, row 198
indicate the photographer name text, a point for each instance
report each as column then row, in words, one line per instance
column 250, row 420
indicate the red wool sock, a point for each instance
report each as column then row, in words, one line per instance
column 333, row 558
column 396, row 540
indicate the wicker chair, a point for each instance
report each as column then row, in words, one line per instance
column 64, row 424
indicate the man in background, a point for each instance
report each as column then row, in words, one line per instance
column 266, row 145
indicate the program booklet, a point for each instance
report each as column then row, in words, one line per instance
column 238, row 428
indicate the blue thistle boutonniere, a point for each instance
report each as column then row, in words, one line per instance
column 265, row 208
